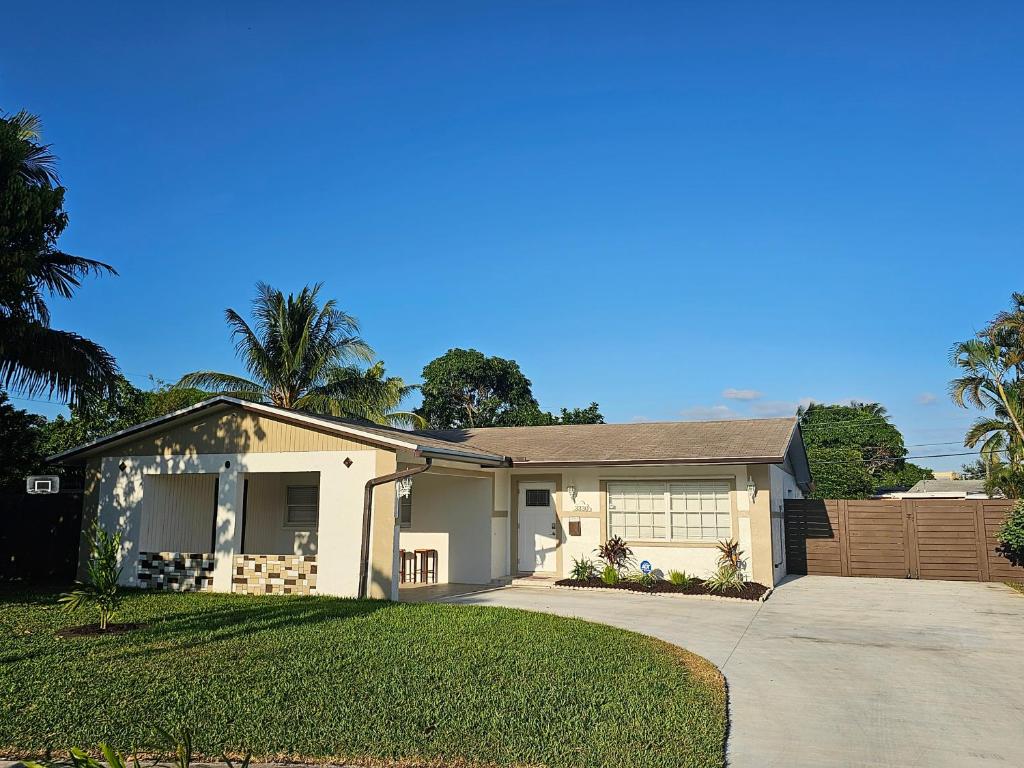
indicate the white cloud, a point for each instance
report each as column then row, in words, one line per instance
column 709, row 413
column 926, row 398
column 770, row 408
column 740, row 394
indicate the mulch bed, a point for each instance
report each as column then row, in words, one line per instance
column 93, row 630
column 751, row 589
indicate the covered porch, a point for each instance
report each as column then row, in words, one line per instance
column 277, row 543
column 447, row 523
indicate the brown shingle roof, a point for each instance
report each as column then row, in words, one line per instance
column 650, row 442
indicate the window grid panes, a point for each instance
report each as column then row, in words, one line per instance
column 538, row 497
column 684, row 510
column 303, row 505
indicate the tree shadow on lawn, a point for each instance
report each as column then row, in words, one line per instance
column 185, row 623
column 245, row 616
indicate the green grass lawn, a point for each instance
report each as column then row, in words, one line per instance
column 317, row 678
column 1019, row 586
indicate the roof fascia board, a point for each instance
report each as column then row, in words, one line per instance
column 651, row 462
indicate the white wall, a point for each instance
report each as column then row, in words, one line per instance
column 452, row 514
column 265, row 508
column 699, row 560
column 783, row 486
column 177, row 513
column 341, row 506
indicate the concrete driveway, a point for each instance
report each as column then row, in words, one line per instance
column 843, row 671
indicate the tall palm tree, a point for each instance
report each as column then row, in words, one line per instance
column 989, row 381
column 35, row 358
column 302, row 355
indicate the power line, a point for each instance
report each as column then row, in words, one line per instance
column 911, row 458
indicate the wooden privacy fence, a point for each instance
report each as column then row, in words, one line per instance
column 39, row 536
column 898, row 538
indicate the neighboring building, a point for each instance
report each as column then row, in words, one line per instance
column 947, row 489
column 949, row 475
column 237, row 496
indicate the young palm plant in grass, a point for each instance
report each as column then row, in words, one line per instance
column 304, row 354
column 100, row 589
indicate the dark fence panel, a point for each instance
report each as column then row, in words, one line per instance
column 898, row 538
column 39, row 537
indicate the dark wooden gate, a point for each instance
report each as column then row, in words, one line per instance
column 40, row 536
column 898, row 538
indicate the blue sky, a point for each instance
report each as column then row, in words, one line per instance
column 647, row 205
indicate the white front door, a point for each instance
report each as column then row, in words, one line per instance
column 537, row 536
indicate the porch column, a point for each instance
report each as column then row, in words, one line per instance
column 228, row 528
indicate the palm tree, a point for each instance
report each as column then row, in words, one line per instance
column 35, row 358
column 369, row 394
column 989, row 382
column 302, row 355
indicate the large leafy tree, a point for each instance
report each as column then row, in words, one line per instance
column 854, row 450
column 35, row 358
column 97, row 414
column 992, row 380
column 464, row 388
column 301, row 353
column 589, row 415
column 20, row 451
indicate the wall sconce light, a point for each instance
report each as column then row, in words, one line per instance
column 404, row 487
column 751, row 489
column 571, row 489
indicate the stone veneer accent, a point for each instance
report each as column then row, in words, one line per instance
column 274, row 574
column 178, row 571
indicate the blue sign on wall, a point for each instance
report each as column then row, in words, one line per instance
column 645, row 566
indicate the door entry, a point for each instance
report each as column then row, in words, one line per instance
column 537, row 528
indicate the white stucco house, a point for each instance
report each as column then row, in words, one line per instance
column 230, row 495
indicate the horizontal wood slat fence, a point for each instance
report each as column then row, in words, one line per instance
column 898, row 538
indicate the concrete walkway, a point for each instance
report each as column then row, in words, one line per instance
column 843, row 671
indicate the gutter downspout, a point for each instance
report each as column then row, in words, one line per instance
column 364, row 550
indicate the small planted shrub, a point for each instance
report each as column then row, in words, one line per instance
column 726, row 579
column 646, row 580
column 1011, row 535
column 610, row 575
column 615, row 553
column 582, row 569
column 729, row 553
column 99, row 590
column 681, row 578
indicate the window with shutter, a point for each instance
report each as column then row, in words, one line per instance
column 405, row 510
column 303, row 506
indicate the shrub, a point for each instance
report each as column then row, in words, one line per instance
column 100, row 588
column 1011, row 535
column 646, row 580
column 681, row 578
column 615, row 553
column 729, row 553
column 725, row 579
column 582, row 569
column 610, row 575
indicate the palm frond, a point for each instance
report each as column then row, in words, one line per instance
column 222, row 384
column 37, row 360
column 61, row 273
